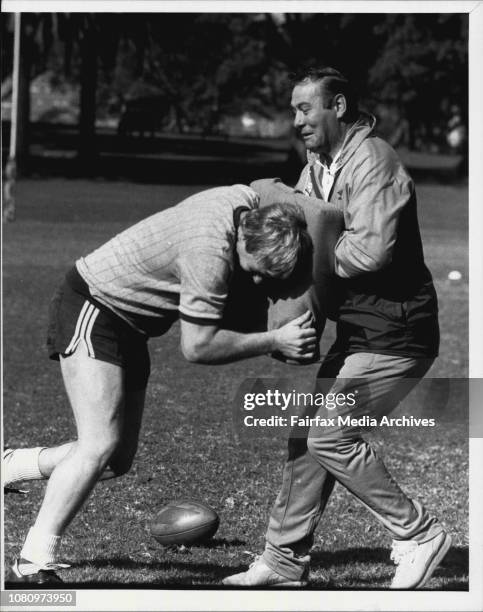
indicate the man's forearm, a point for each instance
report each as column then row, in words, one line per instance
column 225, row 346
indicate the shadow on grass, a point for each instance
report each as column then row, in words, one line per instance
column 211, row 544
column 454, row 565
column 222, row 543
column 197, row 570
column 454, row 568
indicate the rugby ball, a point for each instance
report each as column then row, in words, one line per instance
column 184, row 522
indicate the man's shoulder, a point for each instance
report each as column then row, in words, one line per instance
column 378, row 147
column 205, row 223
column 229, row 196
column 214, row 206
column 376, row 152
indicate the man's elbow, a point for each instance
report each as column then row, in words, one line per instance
column 198, row 342
column 350, row 267
column 197, row 350
column 193, row 352
column 190, row 354
column 379, row 260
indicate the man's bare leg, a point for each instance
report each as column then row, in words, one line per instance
column 96, row 393
column 123, row 456
column 40, row 465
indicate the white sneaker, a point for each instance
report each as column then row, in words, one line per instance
column 10, row 473
column 259, row 574
column 416, row 561
column 6, row 457
column 7, row 481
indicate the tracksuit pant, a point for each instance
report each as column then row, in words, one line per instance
column 322, row 457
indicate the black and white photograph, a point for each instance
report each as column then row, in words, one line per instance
column 241, row 270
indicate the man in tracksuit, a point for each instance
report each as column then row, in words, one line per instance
column 387, row 339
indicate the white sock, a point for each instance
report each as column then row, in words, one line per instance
column 22, row 464
column 40, row 548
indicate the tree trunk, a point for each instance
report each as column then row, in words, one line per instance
column 88, row 84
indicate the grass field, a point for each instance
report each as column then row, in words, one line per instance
column 188, row 448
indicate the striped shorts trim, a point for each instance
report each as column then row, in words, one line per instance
column 83, row 329
column 76, row 318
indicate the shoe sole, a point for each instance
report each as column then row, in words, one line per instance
column 435, row 562
column 8, row 490
column 14, row 579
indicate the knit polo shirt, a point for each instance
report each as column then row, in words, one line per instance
column 179, row 260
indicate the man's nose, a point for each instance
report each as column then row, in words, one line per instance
column 298, row 119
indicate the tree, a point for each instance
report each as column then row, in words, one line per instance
column 422, row 66
column 210, row 64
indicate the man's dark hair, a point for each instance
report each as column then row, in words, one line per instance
column 332, row 82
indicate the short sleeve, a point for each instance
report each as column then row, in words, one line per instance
column 204, row 282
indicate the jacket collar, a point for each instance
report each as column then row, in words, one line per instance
column 355, row 135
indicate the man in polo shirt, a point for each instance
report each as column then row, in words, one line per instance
column 387, row 339
column 177, row 263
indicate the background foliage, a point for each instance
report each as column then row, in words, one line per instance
column 211, row 64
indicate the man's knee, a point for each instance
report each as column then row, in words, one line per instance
column 338, row 451
column 316, row 446
column 323, row 447
column 97, row 454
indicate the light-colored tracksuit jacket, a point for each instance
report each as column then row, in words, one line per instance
column 388, row 302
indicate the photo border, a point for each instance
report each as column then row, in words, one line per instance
column 224, row 599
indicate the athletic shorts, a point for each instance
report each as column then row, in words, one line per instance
column 75, row 317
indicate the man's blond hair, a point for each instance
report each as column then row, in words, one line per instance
column 277, row 237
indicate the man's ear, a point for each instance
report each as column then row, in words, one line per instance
column 240, row 241
column 239, row 234
column 339, row 104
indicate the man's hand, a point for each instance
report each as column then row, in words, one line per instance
column 210, row 344
column 297, row 339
